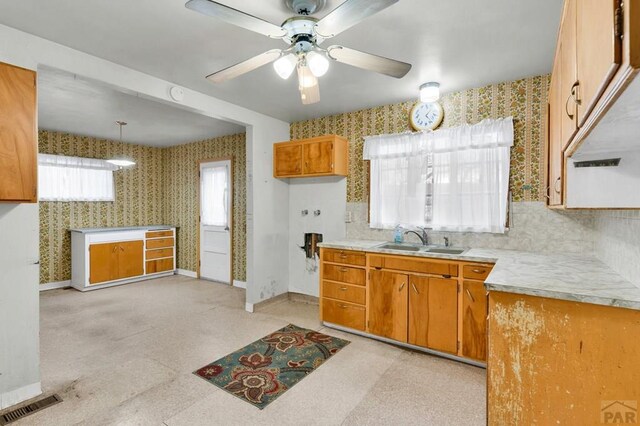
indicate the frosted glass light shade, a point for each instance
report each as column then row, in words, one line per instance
column 318, row 64
column 430, row 92
column 284, row 66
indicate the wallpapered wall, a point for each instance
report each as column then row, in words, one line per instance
column 181, row 196
column 161, row 189
column 525, row 100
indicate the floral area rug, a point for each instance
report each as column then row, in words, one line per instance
column 265, row 369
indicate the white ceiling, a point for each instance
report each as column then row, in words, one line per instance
column 68, row 103
column 462, row 44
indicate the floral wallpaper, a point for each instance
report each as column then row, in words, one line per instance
column 181, row 196
column 139, row 195
column 525, row 100
column 160, row 189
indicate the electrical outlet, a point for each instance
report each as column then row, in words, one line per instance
column 348, row 217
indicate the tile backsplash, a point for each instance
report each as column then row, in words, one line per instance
column 617, row 241
column 533, row 228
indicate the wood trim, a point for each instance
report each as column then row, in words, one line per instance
column 231, row 223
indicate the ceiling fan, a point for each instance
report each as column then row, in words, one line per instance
column 304, row 34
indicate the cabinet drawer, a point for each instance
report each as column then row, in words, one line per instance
column 421, row 266
column 476, row 272
column 348, row 293
column 160, row 265
column 156, row 234
column 344, row 274
column 156, row 254
column 345, row 314
column 160, row 243
column 344, row 256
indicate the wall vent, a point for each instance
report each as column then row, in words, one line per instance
column 22, row 412
column 610, row 162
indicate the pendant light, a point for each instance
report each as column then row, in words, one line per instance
column 120, row 160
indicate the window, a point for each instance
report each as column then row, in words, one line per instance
column 214, row 192
column 62, row 178
column 450, row 180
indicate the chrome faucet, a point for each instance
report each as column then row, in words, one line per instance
column 424, row 238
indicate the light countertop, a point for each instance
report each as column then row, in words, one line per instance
column 124, row 228
column 556, row 276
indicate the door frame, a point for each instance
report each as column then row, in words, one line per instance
column 199, row 213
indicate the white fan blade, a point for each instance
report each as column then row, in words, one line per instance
column 236, row 17
column 245, row 66
column 348, row 14
column 368, row 61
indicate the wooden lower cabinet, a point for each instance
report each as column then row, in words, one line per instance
column 345, row 314
column 433, row 313
column 388, row 304
column 159, row 265
column 115, row 261
column 474, row 320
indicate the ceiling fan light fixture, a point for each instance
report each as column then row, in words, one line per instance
column 430, row 92
column 306, row 78
column 318, row 64
column 285, row 65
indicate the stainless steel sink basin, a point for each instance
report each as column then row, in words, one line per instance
column 445, row 250
column 399, row 247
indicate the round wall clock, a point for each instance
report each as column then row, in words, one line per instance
column 426, row 116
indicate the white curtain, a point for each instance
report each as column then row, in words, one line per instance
column 63, row 178
column 214, row 196
column 454, row 179
column 398, row 182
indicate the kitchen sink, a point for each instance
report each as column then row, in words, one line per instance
column 399, row 247
column 445, row 250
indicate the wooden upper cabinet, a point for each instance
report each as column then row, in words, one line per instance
column 18, row 135
column 433, row 313
column 568, row 81
column 287, row 160
column 474, row 320
column 555, row 145
column 599, row 50
column 388, row 304
column 321, row 156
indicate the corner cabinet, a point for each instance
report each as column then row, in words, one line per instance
column 18, row 135
column 112, row 256
column 434, row 305
column 322, row 156
column 597, row 59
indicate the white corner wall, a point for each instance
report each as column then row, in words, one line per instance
column 19, row 304
column 329, row 195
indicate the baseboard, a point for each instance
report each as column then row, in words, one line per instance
column 187, row 273
column 249, row 307
column 240, row 284
column 303, row 298
column 17, row 396
column 55, row 285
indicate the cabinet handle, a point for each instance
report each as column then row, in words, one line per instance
column 572, row 95
column 115, row 248
column 343, row 289
column 401, row 286
column 342, row 306
column 555, row 186
column 121, row 249
column 344, row 270
column 414, row 288
column 470, row 295
column 343, row 256
column 478, row 271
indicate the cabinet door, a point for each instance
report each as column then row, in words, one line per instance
column 318, row 157
column 474, row 322
column 554, row 144
column 599, row 50
column 130, row 259
column 388, row 300
column 433, row 313
column 288, row 160
column 568, row 72
column 18, row 138
column 103, row 262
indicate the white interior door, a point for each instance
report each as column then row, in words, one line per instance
column 216, row 193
